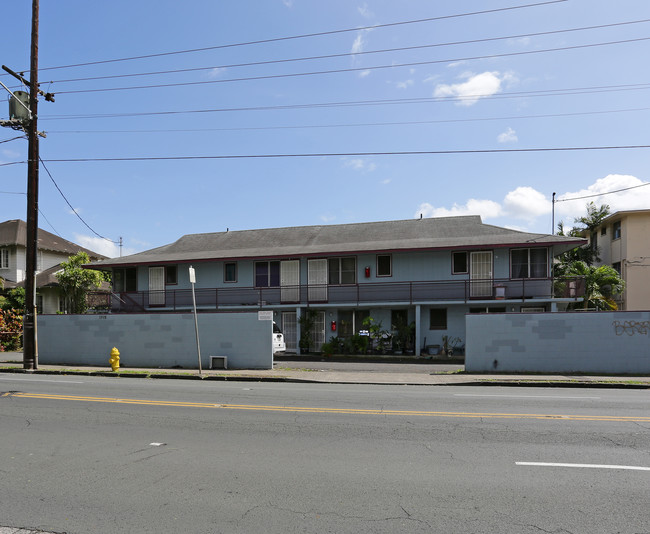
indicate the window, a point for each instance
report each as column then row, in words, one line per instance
column 267, row 274
column 384, row 265
column 616, row 230
column 617, row 267
column 4, row 258
column 342, row 271
column 529, row 263
column 230, row 272
column 487, row 309
column 438, row 319
column 125, row 280
column 171, row 275
column 459, row 263
column 603, row 230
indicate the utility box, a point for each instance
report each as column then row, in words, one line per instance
column 16, row 111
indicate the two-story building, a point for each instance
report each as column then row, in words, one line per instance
column 623, row 241
column 51, row 251
column 430, row 272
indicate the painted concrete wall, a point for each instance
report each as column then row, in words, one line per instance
column 156, row 340
column 578, row 342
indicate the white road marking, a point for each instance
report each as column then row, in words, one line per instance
column 522, row 396
column 589, row 466
column 156, row 444
column 43, row 380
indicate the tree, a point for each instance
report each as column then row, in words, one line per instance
column 602, row 284
column 75, row 281
column 588, row 253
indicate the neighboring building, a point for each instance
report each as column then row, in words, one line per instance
column 623, row 240
column 428, row 271
column 51, row 250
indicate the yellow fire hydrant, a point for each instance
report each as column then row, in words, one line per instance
column 114, row 360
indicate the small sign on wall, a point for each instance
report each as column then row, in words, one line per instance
column 265, row 315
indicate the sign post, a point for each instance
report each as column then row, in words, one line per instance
column 196, row 322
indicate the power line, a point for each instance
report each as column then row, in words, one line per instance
column 341, row 154
column 307, row 35
column 351, row 103
column 348, row 54
column 602, row 194
column 12, row 139
column 350, row 69
column 68, row 203
column 362, row 124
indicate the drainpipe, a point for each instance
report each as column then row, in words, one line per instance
column 298, row 315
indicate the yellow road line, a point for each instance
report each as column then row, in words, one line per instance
column 347, row 411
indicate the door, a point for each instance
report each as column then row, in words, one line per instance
column 318, row 333
column 480, row 274
column 317, row 280
column 290, row 281
column 156, row 286
column 290, row 330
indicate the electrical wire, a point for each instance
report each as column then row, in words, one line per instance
column 68, row 203
column 347, row 154
column 352, row 103
column 348, row 70
column 12, row 139
column 602, row 194
column 307, row 35
column 349, row 125
column 347, row 54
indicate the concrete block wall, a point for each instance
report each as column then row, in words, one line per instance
column 161, row 340
column 572, row 342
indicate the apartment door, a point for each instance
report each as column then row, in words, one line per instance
column 290, row 331
column 290, row 281
column 318, row 333
column 480, row 274
column 156, row 286
column 317, row 280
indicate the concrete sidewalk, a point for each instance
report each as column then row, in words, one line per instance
column 331, row 372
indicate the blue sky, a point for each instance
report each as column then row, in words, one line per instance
column 505, row 90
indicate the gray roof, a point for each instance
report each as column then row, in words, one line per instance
column 14, row 232
column 390, row 236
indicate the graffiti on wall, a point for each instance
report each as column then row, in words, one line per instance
column 631, row 328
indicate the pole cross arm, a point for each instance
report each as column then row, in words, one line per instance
column 49, row 97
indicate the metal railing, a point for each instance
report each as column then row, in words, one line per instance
column 351, row 295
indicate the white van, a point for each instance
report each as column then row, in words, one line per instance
column 278, row 339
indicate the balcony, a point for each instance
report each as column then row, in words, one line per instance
column 366, row 294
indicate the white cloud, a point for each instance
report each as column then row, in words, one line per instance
column 102, row 246
column 75, row 211
column 288, row 3
column 364, row 11
column 358, row 44
column 359, row 164
column 509, row 136
column 475, row 87
column 405, row 84
column 529, row 206
column 632, row 199
column 386, row 181
column 364, row 73
column 487, row 209
column 217, row 72
column 7, row 152
column 526, row 203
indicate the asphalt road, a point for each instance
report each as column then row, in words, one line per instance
column 99, row 455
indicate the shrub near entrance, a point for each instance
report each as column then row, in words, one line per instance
column 11, row 329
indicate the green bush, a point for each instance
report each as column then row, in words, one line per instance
column 11, row 329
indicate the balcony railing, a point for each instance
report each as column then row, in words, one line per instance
column 349, row 295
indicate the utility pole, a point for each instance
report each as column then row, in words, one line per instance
column 30, row 345
column 29, row 125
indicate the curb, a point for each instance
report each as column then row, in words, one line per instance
column 279, row 379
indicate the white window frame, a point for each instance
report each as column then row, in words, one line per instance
column 4, row 258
